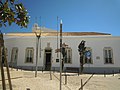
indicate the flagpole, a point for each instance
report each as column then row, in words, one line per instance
column 60, row 55
column 40, row 35
column 57, row 36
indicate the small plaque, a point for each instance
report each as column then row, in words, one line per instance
column 97, row 57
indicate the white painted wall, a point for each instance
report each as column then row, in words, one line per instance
column 97, row 43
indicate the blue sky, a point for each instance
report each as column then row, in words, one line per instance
column 77, row 15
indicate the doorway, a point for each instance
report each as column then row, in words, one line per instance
column 47, row 59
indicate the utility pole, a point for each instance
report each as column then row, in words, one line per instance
column 57, row 35
column 61, row 55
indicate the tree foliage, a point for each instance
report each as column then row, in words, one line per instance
column 13, row 12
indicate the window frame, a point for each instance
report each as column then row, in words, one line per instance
column 26, row 53
column 109, row 55
column 14, row 55
column 91, row 60
column 69, row 54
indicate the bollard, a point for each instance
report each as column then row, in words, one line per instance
column 42, row 70
column 65, row 79
column 113, row 72
column 50, row 75
column 104, row 74
column 78, row 72
column 54, row 70
column 81, row 85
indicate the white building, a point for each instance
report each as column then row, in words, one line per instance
column 104, row 50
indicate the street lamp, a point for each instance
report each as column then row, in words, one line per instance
column 38, row 35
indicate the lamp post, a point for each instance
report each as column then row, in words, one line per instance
column 38, row 35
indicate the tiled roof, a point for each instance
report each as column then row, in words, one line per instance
column 55, row 34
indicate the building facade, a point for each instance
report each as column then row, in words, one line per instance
column 102, row 50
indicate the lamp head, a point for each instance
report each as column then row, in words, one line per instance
column 61, row 21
